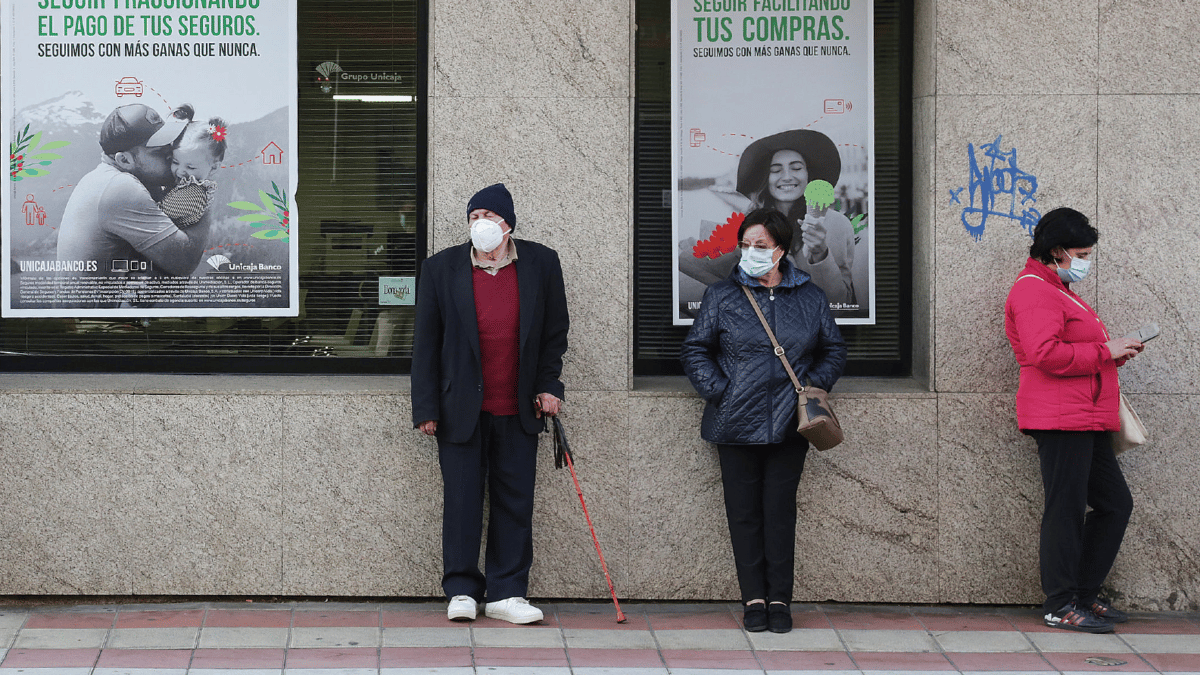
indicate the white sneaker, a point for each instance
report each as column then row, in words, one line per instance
column 462, row 608
column 513, row 610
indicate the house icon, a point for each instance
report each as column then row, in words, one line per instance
column 272, row 154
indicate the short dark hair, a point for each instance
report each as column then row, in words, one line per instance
column 1062, row 227
column 776, row 224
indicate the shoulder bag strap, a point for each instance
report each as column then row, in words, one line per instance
column 1072, row 299
column 778, row 349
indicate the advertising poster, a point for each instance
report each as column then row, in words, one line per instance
column 152, row 158
column 773, row 108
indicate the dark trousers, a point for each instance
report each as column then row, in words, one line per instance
column 760, row 484
column 502, row 457
column 1078, row 546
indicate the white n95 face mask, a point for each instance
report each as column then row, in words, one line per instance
column 757, row 261
column 486, row 235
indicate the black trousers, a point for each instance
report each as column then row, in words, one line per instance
column 760, row 484
column 1078, row 547
column 502, row 457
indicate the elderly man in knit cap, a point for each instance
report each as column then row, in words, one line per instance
column 491, row 330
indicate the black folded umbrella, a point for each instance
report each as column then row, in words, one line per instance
column 562, row 455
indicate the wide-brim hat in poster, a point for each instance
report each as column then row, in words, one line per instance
column 152, row 158
column 773, row 108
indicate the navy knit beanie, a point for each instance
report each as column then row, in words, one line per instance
column 497, row 199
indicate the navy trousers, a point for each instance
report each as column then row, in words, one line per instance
column 503, row 458
column 1078, row 546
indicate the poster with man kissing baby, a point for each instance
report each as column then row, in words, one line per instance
column 152, row 158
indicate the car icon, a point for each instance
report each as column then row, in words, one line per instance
column 129, row 85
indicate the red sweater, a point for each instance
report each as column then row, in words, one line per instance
column 498, row 314
column 1068, row 380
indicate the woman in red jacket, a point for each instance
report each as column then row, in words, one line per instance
column 1067, row 400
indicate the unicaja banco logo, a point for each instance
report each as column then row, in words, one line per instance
column 325, row 73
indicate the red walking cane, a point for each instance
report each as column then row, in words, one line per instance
column 562, row 452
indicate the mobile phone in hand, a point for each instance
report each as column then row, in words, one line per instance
column 1145, row 333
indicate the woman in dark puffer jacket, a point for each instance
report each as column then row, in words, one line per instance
column 751, row 404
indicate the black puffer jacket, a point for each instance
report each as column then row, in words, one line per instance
column 731, row 363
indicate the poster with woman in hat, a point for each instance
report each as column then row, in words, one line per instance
column 773, row 107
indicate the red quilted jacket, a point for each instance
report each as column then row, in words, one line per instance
column 1068, row 380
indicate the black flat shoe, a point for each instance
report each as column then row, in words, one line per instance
column 779, row 618
column 754, row 619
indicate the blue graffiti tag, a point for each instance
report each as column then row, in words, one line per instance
column 997, row 188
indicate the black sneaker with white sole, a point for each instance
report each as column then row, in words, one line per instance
column 1106, row 611
column 1074, row 617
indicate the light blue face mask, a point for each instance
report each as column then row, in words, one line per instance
column 757, row 261
column 1078, row 270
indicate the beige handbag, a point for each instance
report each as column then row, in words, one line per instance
column 1132, row 433
column 818, row 424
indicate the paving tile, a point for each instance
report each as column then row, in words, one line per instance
column 902, row 661
column 699, row 658
column 11, row 619
column 61, row 620
column 425, row 657
column 153, row 638
column 982, row 641
column 587, row 670
column 248, row 618
column 549, row 622
column 336, row 636
column 139, row 671
column 1159, row 624
column 525, row 670
column 614, row 658
column 1070, row 642
column 426, row 637
column 7, row 635
column 331, row 671
column 519, row 656
column 975, row 662
column 51, row 658
column 693, row 620
column 772, row 671
column 45, row 671
column 714, row 670
column 1174, row 663
column 702, row 638
column 1162, row 644
column 356, row 657
column 603, row 621
column 815, row 639
column 603, row 638
column 873, row 619
column 235, row 671
column 963, row 622
column 48, row 638
column 238, row 658
column 888, row 641
column 1077, row 663
column 515, row 637
column 427, row 671
column 831, row 660
column 243, row 638
column 145, row 658
column 160, row 619
column 345, row 619
column 416, row 619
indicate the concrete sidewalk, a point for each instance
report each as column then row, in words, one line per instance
column 310, row 638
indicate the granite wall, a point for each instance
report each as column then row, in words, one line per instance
column 205, row 485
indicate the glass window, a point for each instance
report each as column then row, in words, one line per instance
column 880, row 349
column 361, row 200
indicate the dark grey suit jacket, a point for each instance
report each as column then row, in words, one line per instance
column 447, row 374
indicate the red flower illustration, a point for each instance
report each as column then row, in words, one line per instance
column 722, row 240
column 217, row 131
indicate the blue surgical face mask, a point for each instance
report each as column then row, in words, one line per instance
column 1078, row 270
column 757, row 261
